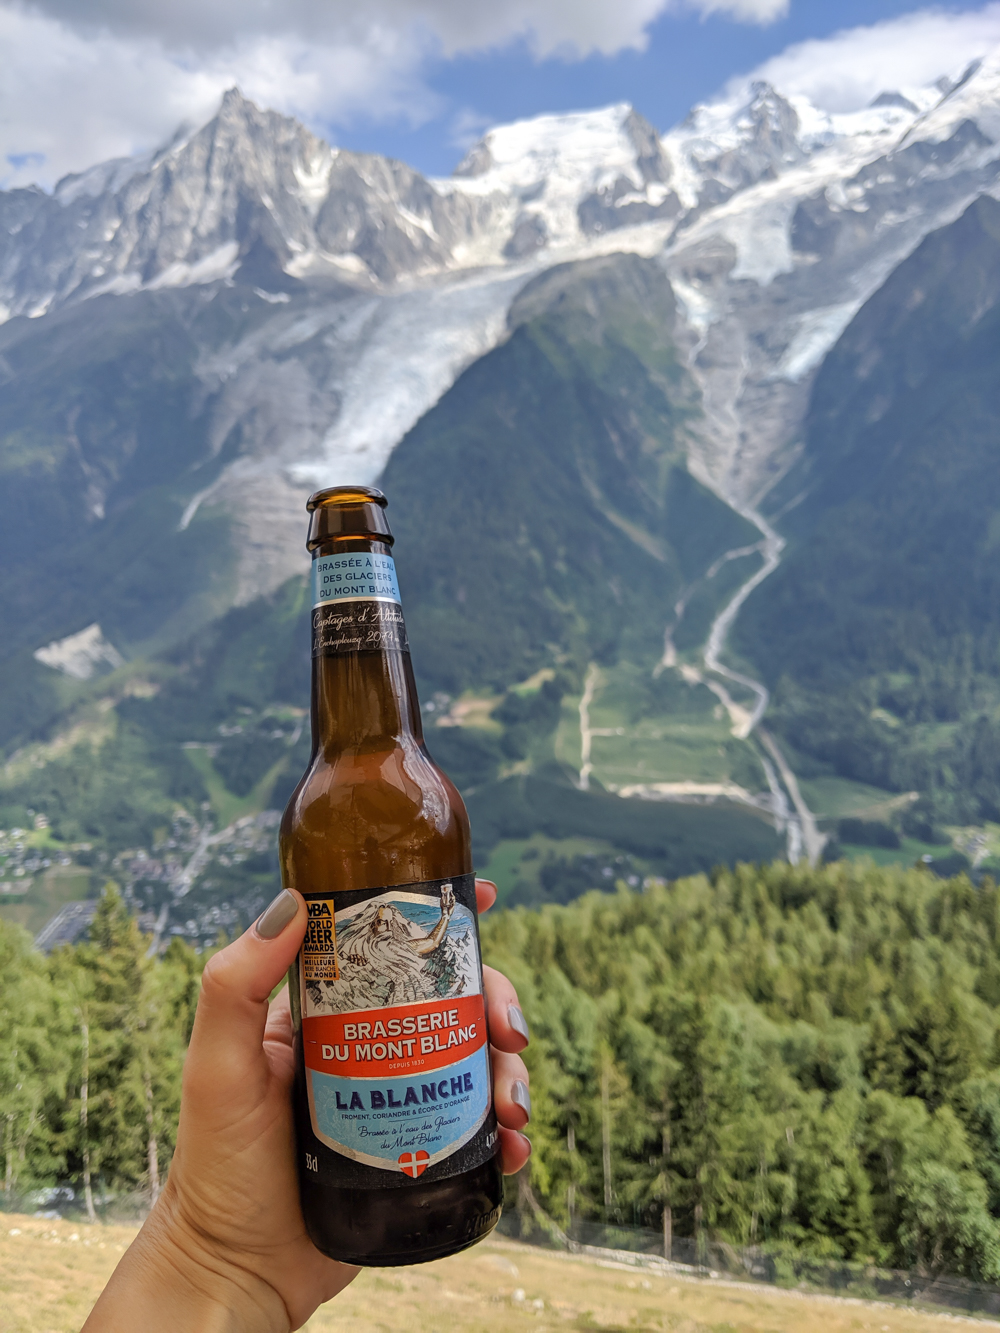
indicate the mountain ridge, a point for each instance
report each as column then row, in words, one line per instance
column 634, row 326
column 727, row 198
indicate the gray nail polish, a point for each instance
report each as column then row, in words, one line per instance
column 518, row 1021
column 521, row 1097
column 276, row 916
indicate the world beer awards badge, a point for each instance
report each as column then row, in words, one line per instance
column 319, row 948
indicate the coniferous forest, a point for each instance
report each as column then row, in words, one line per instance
column 772, row 1055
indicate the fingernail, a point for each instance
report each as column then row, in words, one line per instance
column 521, row 1097
column 276, row 916
column 518, row 1021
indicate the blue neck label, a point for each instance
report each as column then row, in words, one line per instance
column 354, row 576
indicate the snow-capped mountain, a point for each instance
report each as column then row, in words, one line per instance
column 253, row 186
column 770, row 277
column 377, row 286
column 249, row 186
column 256, row 189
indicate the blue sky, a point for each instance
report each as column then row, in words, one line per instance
column 688, row 58
column 88, row 80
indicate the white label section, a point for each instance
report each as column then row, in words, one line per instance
column 355, row 576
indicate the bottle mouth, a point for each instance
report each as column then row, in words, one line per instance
column 336, row 495
column 347, row 513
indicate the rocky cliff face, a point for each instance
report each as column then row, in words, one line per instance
column 250, row 190
column 771, row 277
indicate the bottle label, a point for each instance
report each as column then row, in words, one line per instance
column 394, row 1033
column 356, row 607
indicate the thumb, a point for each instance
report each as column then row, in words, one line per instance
column 227, row 1040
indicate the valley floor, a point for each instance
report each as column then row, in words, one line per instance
column 52, row 1271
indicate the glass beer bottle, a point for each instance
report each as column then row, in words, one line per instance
column 398, row 1151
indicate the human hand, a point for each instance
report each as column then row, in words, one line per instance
column 226, row 1248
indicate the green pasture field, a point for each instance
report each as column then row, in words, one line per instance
column 840, row 798
column 518, row 860
column 649, row 730
column 909, row 852
column 49, row 891
column 691, row 754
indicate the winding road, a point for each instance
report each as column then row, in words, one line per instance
column 787, row 804
column 785, row 801
column 799, row 821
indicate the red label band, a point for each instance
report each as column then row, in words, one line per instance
column 408, row 1038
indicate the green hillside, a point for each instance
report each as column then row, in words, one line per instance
column 104, row 438
column 879, row 632
column 554, row 473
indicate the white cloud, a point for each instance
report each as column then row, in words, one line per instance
column 844, row 72
column 744, row 11
column 68, row 100
column 551, row 26
column 85, row 80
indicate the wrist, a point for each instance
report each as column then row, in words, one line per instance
column 174, row 1279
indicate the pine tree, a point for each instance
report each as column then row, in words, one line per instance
column 32, row 1067
column 132, row 1019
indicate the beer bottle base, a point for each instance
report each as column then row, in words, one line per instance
column 387, row 1228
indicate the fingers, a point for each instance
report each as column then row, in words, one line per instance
column 512, row 1102
column 507, row 1024
column 486, row 894
column 515, row 1150
column 508, row 1035
column 511, row 1097
column 232, row 1008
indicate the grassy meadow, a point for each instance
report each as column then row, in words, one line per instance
column 51, row 1272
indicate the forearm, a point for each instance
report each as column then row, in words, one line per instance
column 432, row 941
column 168, row 1282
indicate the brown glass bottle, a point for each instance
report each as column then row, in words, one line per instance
column 397, row 1147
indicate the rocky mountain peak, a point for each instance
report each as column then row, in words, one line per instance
column 249, row 182
column 893, row 99
column 773, row 121
column 650, row 158
column 254, row 194
column 477, row 161
column 235, row 105
column 584, row 171
column 731, row 144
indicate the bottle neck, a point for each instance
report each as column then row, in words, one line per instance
column 364, row 696
column 365, row 701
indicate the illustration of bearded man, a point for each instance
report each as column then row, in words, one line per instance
column 387, row 958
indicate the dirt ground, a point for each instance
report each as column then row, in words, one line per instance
column 51, row 1273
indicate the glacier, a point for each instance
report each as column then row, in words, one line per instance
column 773, row 219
